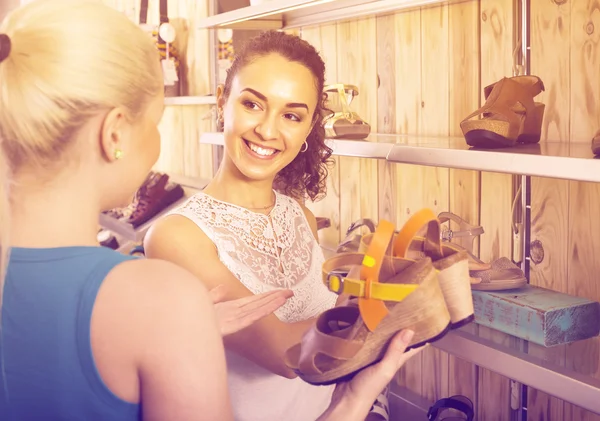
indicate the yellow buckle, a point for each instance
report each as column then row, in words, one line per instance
column 335, row 283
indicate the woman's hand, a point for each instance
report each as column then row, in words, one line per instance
column 235, row 315
column 352, row 400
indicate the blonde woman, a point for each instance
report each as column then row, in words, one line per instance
column 86, row 333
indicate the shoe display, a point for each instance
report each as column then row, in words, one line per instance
column 106, row 239
column 391, row 294
column 155, row 194
column 454, row 408
column 419, row 238
column 509, row 116
column 499, row 275
column 351, row 242
column 343, row 123
column 596, row 143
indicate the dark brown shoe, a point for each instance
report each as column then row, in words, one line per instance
column 596, row 143
column 153, row 198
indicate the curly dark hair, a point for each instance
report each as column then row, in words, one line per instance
column 306, row 175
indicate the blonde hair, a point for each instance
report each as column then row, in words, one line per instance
column 69, row 60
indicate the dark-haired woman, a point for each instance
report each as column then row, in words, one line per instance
column 249, row 228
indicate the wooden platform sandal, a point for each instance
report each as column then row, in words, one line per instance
column 419, row 238
column 509, row 115
column 345, row 124
column 392, row 295
column 502, row 273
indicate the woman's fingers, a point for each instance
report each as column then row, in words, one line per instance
column 252, row 303
column 218, row 293
column 235, row 315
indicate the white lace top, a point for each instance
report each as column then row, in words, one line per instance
column 267, row 252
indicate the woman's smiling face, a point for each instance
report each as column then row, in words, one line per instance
column 268, row 115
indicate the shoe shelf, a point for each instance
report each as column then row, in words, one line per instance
column 560, row 382
column 287, row 14
column 548, row 159
column 128, row 232
column 356, row 148
column 191, row 100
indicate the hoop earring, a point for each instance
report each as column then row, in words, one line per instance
column 306, row 147
column 118, row 154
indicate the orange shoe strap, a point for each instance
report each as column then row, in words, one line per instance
column 415, row 223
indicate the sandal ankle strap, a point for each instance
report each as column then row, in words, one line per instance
column 340, row 284
column 466, row 229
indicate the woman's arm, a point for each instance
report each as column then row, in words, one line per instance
column 156, row 321
column 178, row 240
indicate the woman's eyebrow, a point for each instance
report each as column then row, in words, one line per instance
column 264, row 98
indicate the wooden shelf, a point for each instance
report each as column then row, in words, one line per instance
column 354, row 148
column 548, row 159
column 286, row 14
column 191, row 100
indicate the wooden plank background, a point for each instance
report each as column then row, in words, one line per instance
column 421, row 72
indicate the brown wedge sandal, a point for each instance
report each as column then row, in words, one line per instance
column 452, row 263
column 502, row 273
column 392, row 295
column 509, row 115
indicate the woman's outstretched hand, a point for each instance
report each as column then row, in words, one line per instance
column 235, row 315
column 352, row 400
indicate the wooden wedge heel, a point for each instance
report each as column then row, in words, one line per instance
column 509, row 116
column 452, row 263
column 392, row 294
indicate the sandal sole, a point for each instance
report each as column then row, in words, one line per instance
column 350, row 376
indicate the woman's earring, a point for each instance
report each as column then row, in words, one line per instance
column 118, row 154
column 305, row 147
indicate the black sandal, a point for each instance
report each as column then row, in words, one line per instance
column 445, row 409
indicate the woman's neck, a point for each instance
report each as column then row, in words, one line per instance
column 232, row 187
column 62, row 213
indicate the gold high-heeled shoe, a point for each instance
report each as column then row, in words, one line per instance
column 345, row 124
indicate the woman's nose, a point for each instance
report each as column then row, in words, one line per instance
column 268, row 128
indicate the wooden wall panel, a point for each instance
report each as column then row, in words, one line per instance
column 550, row 36
column 464, row 93
column 357, row 65
column 496, row 194
column 408, row 108
column 434, row 121
column 182, row 125
column 584, row 198
column 181, row 152
column 324, row 38
column 386, row 112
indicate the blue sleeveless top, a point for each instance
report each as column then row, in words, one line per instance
column 49, row 371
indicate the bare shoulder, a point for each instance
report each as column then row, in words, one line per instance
column 155, row 281
column 154, row 326
column 144, row 300
column 174, row 233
